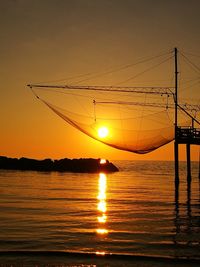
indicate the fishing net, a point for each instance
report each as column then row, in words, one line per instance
column 136, row 122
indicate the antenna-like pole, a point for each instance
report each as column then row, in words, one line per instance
column 176, row 86
column 176, row 158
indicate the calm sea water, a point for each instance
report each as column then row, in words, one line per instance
column 132, row 212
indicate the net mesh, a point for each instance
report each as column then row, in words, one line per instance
column 137, row 123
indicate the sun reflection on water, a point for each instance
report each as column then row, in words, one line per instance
column 102, row 206
column 100, row 253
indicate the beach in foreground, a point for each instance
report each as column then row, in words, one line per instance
column 64, row 259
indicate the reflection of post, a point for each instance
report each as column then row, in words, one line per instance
column 176, row 219
column 199, row 175
column 189, row 217
column 176, row 195
column 188, row 193
column 101, row 207
column 186, row 221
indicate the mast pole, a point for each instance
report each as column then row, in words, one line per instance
column 176, row 158
column 176, row 85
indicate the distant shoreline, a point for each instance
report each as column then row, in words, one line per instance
column 82, row 165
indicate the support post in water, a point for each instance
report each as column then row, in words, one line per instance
column 176, row 160
column 188, row 163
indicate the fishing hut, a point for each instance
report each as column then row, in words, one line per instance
column 188, row 135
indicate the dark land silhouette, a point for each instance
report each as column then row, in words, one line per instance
column 82, row 165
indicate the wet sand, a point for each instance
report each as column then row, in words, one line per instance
column 65, row 259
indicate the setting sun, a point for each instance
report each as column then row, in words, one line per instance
column 103, row 132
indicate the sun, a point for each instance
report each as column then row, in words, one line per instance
column 103, row 132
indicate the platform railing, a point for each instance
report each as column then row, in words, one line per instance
column 188, row 134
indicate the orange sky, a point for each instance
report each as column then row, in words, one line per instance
column 51, row 40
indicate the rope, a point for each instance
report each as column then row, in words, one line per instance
column 195, row 67
column 148, row 69
column 125, row 66
column 34, row 93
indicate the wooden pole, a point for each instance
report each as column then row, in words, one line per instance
column 199, row 174
column 188, row 163
column 176, row 160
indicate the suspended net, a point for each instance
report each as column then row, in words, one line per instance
column 135, row 122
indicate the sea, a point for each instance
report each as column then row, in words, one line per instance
column 135, row 217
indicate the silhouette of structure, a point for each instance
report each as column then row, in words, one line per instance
column 127, row 133
column 183, row 135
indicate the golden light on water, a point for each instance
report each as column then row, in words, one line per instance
column 102, row 219
column 102, row 192
column 100, row 253
column 102, row 231
column 103, row 132
column 102, row 205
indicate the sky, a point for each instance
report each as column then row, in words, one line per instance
column 55, row 39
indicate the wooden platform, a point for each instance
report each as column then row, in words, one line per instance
column 188, row 135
